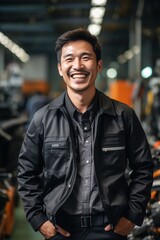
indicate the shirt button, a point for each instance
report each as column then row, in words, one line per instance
column 87, row 161
column 69, row 185
column 86, row 141
column 85, row 128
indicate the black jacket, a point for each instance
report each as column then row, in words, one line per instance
column 47, row 164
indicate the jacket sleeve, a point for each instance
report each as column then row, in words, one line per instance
column 30, row 173
column 141, row 165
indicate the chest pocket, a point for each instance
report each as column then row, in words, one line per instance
column 107, row 149
column 56, row 154
column 113, row 152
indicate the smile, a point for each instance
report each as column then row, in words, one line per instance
column 80, row 75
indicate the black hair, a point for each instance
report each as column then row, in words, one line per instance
column 74, row 35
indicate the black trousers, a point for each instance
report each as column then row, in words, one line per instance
column 91, row 233
column 85, row 227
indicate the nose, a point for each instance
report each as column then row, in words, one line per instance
column 77, row 63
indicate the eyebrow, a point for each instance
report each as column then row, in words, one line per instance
column 68, row 55
column 82, row 54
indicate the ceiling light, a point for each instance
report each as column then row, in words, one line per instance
column 94, row 29
column 146, row 72
column 97, row 20
column 98, row 2
column 97, row 12
column 14, row 48
column 135, row 49
column 128, row 54
column 121, row 59
column 112, row 73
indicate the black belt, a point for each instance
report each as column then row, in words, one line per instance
column 77, row 222
column 93, row 220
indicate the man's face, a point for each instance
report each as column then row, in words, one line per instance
column 79, row 66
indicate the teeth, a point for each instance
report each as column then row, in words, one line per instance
column 79, row 75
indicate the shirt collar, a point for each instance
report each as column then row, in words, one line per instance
column 93, row 108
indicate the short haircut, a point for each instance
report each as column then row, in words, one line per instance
column 74, row 35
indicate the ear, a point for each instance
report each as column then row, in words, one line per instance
column 59, row 69
column 100, row 65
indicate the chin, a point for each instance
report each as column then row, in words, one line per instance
column 82, row 89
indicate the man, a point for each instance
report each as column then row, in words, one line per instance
column 75, row 153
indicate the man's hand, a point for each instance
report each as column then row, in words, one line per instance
column 123, row 227
column 48, row 230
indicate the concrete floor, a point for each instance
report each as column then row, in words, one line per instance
column 22, row 229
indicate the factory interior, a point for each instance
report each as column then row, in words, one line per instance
column 129, row 34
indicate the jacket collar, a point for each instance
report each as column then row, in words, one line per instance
column 58, row 102
column 106, row 103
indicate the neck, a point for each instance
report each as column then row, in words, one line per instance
column 81, row 100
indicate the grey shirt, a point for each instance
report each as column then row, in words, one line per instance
column 85, row 197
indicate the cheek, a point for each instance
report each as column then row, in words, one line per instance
column 93, row 67
column 65, row 68
column 62, row 71
column 94, row 70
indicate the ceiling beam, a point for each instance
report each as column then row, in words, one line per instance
column 43, row 8
column 25, row 27
column 22, row 8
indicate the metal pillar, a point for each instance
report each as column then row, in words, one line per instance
column 135, row 63
column 138, row 36
column 1, row 63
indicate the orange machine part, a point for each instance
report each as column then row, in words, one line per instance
column 156, row 173
column 9, row 212
column 156, row 145
column 121, row 90
column 31, row 86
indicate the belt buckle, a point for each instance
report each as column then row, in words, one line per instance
column 86, row 221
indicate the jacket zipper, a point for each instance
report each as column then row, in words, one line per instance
column 96, row 137
column 97, row 122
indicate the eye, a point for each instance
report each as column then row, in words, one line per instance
column 69, row 59
column 85, row 57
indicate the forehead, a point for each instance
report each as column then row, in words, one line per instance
column 77, row 47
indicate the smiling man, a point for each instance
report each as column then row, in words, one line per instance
column 79, row 66
column 73, row 160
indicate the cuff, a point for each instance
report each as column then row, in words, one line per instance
column 136, row 218
column 37, row 220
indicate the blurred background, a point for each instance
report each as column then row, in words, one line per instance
column 129, row 33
